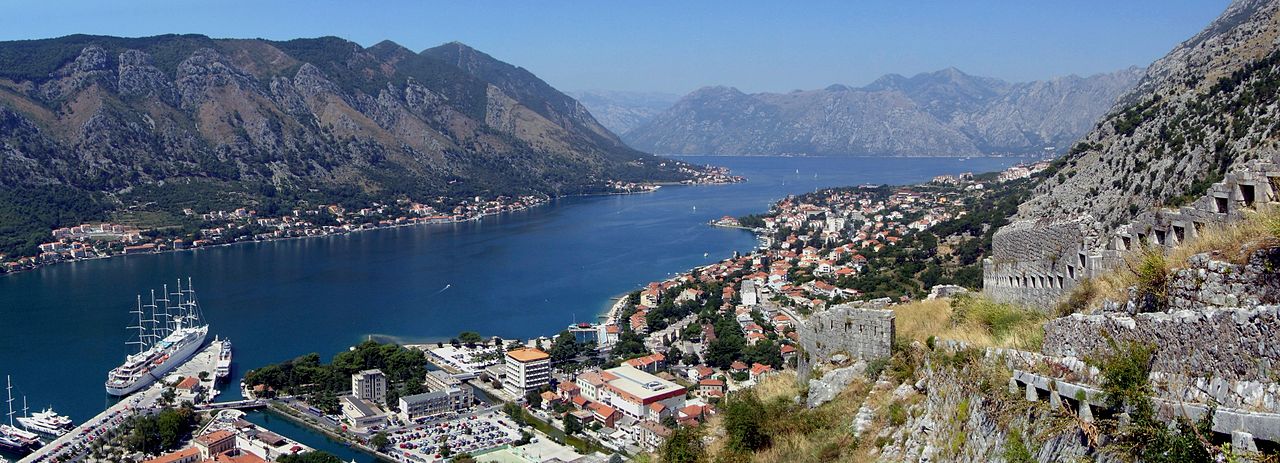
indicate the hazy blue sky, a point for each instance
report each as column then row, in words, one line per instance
column 678, row 46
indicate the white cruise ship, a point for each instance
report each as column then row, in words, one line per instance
column 169, row 332
column 47, row 422
column 224, row 360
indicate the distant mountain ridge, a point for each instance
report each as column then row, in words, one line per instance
column 182, row 120
column 944, row 113
column 622, row 111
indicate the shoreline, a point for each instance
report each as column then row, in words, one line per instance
column 476, row 218
column 737, row 227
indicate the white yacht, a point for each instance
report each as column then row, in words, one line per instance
column 46, row 422
column 224, row 360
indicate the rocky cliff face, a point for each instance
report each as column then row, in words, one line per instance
column 942, row 113
column 1198, row 113
column 106, row 114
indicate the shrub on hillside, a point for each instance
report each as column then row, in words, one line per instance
column 1153, row 278
column 1079, row 299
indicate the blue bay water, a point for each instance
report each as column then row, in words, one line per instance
column 519, row 275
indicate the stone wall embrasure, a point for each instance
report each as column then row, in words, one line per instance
column 860, row 330
column 1037, row 262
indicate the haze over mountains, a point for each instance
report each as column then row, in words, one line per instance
column 623, row 111
column 943, row 113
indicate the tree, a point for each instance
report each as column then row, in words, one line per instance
column 463, row 458
column 744, row 417
column 516, row 413
column 168, row 395
column 470, row 338
column 690, row 358
column 380, row 441
column 533, row 398
column 683, row 446
column 571, row 424
column 565, row 347
column 162, row 431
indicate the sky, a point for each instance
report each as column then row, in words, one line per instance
column 676, row 47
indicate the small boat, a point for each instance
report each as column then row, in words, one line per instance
column 224, row 360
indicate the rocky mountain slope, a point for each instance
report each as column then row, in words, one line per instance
column 941, row 113
column 1198, row 113
column 623, row 111
column 105, row 122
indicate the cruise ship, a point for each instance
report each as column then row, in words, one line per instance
column 169, row 332
column 224, row 360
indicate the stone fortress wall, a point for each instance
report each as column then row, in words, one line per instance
column 861, row 330
column 1038, row 262
column 1222, row 323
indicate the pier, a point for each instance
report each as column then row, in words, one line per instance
column 75, row 443
column 247, row 404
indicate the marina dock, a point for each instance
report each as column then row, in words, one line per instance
column 74, row 444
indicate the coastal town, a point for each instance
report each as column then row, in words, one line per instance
column 663, row 357
column 245, row 224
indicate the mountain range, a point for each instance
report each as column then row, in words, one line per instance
column 943, row 113
column 622, row 111
column 90, row 124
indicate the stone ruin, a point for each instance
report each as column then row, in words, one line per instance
column 859, row 330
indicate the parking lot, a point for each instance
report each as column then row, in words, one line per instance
column 470, row 433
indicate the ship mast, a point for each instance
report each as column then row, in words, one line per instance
column 9, row 381
column 142, row 336
column 192, row 309
column 153, row 323
column 182, row 303
column 167, row 310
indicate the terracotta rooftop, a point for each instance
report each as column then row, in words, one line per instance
column 214, row 437
column 180, row 455
column 526, row 355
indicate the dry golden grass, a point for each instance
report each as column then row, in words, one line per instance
column 818, row 435
column 800, row 435
column 982, row 323
column 1234, row 242
column 781, row 385
column 920, row 319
